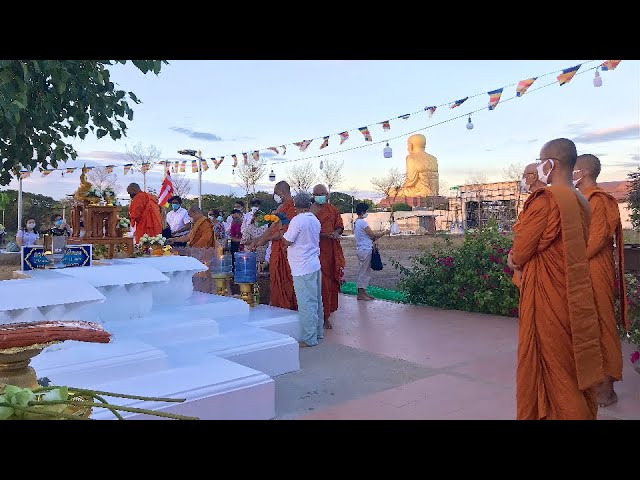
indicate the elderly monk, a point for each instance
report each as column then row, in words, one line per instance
column 332, row 260
column 144, row 212
column 605, row 228
column 529, row 183
column 280, row 279
column 559, row 355
column 201, row 234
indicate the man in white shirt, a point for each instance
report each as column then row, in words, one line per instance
column 302, row 241
column 178, row 221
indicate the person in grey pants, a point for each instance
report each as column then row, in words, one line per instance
column 364, row 238
column 302, row 241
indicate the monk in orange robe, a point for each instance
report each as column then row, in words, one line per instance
column 201, row 234
column 144, row 212
column 559, row 355
column 332, row 260
column 529, row 183
column 280, row 279
column 605, row 228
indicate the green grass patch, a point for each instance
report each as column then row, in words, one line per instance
column 350, row 288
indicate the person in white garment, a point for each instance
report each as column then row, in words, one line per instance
column 364, row 238
column 178, row 221
column 28, row 236
column 302, row 241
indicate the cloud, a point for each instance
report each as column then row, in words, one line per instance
column 576, row 126
column 533, row 140
column 197, row 135
column 635, row 157
column 610, row 134
column 240, row 139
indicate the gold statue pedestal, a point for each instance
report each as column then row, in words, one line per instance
column 14, row 365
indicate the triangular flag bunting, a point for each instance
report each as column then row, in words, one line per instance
column 365, row 132
column 325, row 143
column 524, row 85
column 431, row 110
column 457, row 103
column 386, row 125
column 344, row 136
column 494, row 98
column 567, row 74
column 609, row 65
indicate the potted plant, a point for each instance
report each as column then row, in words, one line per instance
column 93, row 196
column 109, row 196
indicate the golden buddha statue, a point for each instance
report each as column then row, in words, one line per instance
column 85, row 186
column 422, row 170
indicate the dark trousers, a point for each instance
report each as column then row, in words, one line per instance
column 166, row 233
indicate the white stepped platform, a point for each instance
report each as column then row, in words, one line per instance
column 53, row 297
column 215, row 351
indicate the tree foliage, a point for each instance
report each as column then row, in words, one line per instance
column 634, row 198
column 250, row 174
column 181, row 185
column 331, row 174
column 44, row 103
column 390, row 184
column 39, row 207
column 401, row 207
column 342, row 201
column 302, row 177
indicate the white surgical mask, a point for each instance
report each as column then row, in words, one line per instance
column 254, row 209
column 365, row 215
column 277, row 198
column 524, row 186
column 212, row 218
column 31, row 225
column 190, row 220
column 544, row 178
column 576, row 182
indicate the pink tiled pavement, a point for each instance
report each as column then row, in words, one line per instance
column 474, row 357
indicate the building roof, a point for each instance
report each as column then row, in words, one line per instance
column 619, row 190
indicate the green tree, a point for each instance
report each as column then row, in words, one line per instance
column 39, row 207
column 342, row 201
column 4, row 203
column 45, row 102
column 634, row 198
column 400, row 207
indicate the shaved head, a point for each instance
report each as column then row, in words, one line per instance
column 531, row 168
column 195, row 209
column 282, row 187
column 590, row 164
column 133, row 188
column 561, row 150
column 319, row 190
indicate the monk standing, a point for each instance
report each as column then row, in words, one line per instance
column 332, row 260
column 280, row 279
column 144, row 212
column 605, row 227
column 559, row 355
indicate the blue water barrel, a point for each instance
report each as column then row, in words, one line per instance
column 221, row 264
column 246, row 267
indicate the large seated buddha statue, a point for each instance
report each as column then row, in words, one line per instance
column 422, row 170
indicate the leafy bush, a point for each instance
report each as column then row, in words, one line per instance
column 633, row 302
column 400, row 207
column 473, row 277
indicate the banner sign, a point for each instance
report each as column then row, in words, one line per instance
column 74, row 256
column 77, row 256
column 33, row 257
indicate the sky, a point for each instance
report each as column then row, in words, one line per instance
column 224, row 107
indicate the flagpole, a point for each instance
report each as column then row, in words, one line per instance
column 20, row 202
column 200, row 179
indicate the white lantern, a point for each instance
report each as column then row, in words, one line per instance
column 272, row 176
column 597, row 80
column 388, row 153
column 469, row 124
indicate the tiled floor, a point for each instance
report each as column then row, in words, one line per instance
column 473, row 357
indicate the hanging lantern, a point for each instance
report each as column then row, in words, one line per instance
column 469, row 124
column 321, row 164
column 597, row 80
column 272, row 176
column 388, row 153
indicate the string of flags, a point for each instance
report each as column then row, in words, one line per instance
column 180, row 166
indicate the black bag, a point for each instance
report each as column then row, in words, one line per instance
column 376, row 260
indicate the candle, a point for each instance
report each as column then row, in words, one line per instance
column 246, row 267
column 221, row 264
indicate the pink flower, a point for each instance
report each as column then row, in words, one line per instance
column 635, row 356
column 501, row 250
column 507, row 270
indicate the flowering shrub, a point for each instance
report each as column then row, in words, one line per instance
column 473, row 277
column 146, row 240
column 633, row 302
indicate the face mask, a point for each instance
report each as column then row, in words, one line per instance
column 541, row 175
column 576, row 182
column 31, row 226
column 58, row 222
column 524, row 187
column 365, row 215
column 277, row 198
column 219, row 218
column 190, row 220
column 320, row 199
column 175, row 206
column 132, row 195
column 211, row 217
column 254, row 209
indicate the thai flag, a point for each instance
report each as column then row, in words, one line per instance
column 166, row 190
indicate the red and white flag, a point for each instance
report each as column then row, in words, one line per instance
column 166, row 190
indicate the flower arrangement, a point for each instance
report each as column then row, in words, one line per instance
column 68, row 403
column 109, row 195
column 270, row 218
column 146, row 240
column 94, row 193
column 124, row 223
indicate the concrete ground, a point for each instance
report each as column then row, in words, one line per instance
column 390, row 361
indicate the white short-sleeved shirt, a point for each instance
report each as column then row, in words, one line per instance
column 28, row 238
column 363, row 241
column 304, row 252
column 177, row 219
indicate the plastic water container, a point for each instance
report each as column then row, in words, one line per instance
column 221, row 265
column 246, row 267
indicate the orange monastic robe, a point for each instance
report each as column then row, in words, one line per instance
column 332, row 260
column 605, row 226
column 281, row 281
column 559, row 356
column 201, row 235
column 144, row 214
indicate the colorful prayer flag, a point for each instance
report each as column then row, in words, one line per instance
column 235, row 160
column 386, row 125
column 246, row 158
column 205, row 165
column 183, row 166
column 175, row 167
column 303, row 144
column 25, row 173
column 284, row 149
column 524, row 85
column 46, row 172
column 609, row 65
column 274, row 149
column 127, row 167
column 325, row 143
column 108, row 169
column 194, row 166
column 256, row 155
column 567, row 74
column 145, row 167
column 343, row 137
column 71, row 170
column 457, row 103
column 431, row 110
column 405, row 116
column 494, row 98
column 218, row 163
column 365, row 132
